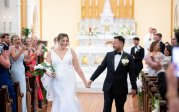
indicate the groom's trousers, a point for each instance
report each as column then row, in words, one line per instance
column 119, row 101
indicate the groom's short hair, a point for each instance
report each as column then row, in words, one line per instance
column 136, row 38
column 120, row 38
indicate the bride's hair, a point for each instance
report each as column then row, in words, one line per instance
column 61, row 36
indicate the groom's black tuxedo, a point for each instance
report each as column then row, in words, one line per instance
column 115, row 85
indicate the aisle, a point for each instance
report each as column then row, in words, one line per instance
column 94, row 103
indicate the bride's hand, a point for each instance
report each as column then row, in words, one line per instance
column 87, row 86
column 50, row 74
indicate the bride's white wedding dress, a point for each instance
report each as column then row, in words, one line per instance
column 62, row 89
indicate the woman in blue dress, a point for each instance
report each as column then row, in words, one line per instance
column 5, row 77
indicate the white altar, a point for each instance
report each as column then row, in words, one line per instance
column 95, row 37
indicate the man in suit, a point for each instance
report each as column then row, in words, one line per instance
column 5, row 41
column 138, row 54
column 118, row 64
column 158, row 38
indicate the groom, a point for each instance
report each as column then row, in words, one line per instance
column 118, row 64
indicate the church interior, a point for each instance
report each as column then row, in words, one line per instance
column 31, row 29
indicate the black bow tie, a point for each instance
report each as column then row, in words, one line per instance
column 117, row 53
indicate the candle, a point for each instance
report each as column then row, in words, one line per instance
column 83, row 3
column 96, row 3
column 118, row 1
column 90, row 29
column 90, row 3
column 124, row 3
column 130, row 3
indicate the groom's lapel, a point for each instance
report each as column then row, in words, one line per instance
column 112, row 56
column 123, row 55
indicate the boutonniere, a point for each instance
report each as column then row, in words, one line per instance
column 138, row 47
column 125, row 61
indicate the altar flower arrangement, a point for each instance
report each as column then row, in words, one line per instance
column 124, row 31
column 40, row 69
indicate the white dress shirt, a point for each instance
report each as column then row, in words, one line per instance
column 117, row 59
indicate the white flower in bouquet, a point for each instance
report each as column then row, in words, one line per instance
column 48, row 64
column 39, row 66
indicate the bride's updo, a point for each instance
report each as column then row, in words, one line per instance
column 61, row 36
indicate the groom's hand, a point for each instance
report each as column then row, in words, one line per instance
column 89, row 83
column 133, row 92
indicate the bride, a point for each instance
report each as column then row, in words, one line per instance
column 62, row 87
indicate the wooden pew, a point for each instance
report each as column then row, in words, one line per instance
column 5, row 101
column 34, row 94
column 151, row 91
column 145, row 89
column 28, row 95
column 19, row 96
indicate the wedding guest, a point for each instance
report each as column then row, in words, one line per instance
column 174, row 41
column 172, row 93
column 167, row 57
column 17, row 67
column 155, row 55
column 167, row 43
column 138, row 54
column 32, row 62
column 5, row 41
column 5, row 77
column 161, row 75
column 158, row 38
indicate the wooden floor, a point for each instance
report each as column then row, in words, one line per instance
column 94, row 103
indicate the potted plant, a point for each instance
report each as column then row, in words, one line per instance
column 25, row 33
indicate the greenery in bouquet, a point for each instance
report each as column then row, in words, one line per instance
column 44, row 49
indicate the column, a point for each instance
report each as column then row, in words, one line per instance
column 18, row 5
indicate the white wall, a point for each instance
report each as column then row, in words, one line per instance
column 61, row 16
column 153, row 13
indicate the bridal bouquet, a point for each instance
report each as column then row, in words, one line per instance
column 40, row 69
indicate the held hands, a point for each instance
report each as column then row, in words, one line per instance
column 89, row 83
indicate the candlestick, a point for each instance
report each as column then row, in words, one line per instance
column 89, row 29
column 4, row 23
column 10, row 23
